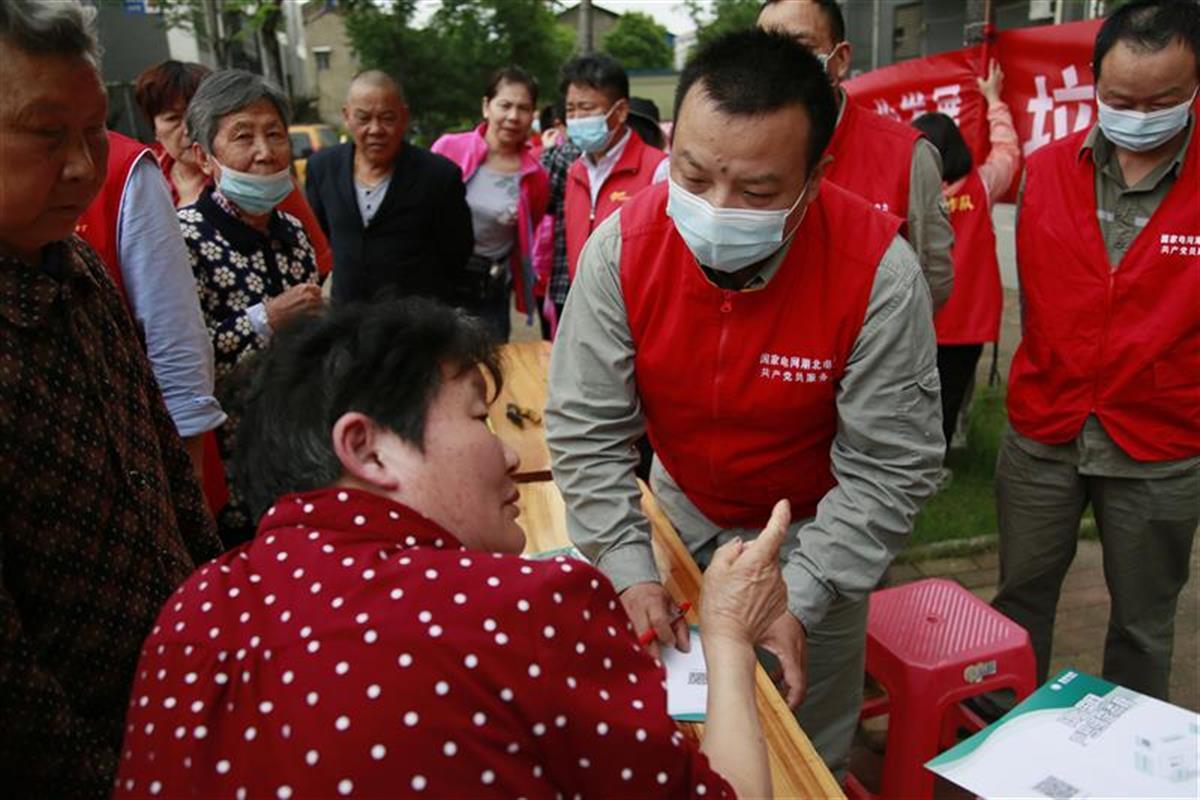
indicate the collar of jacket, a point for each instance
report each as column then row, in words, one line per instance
column 477, row 153
column 240, row 234
column 629, row 162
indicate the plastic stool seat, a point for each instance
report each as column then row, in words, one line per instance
column 933, row 624
column 931, row 644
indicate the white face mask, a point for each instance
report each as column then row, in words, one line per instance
column 824, row 58
column 728, row 239
column 1140, row 131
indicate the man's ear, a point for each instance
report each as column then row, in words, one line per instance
column 839, row 64
column 622, row 113
column 818, row 172
column 356, row 442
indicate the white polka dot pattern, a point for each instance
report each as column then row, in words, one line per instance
column 307, row 698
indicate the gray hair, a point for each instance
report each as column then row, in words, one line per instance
column 64, row 27
column 226, row 92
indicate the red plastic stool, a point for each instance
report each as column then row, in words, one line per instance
column 932, row 644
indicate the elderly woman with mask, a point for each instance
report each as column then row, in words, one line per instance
column 254, row 266
column 163, row 92
column 101, row 516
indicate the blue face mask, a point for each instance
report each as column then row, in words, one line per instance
column 590, row 134
column 254, row 194
column 1141, row 131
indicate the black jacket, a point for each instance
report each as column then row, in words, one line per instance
column 419, row 240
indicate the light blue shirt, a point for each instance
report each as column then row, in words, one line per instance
column 161, row 290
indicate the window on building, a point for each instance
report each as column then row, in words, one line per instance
column 321, row 56
column 908, row 29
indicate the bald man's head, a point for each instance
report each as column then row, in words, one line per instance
column 378, row 80
column 376, row 116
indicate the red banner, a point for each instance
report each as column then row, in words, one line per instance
column 1048, row 85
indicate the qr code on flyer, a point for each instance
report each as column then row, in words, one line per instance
column 1056, row 788
column 697, row 679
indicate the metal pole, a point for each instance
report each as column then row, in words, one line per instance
column 878, row 20
column 585, row 38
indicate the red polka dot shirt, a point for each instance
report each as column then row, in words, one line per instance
column 354, row 648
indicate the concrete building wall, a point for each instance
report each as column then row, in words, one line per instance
column 330, row 64
column 603, row 21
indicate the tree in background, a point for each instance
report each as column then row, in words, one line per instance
column 445, row 65
column 717, row 17
column 638, row 42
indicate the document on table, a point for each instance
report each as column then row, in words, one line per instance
column 1080, row 737
column 687, row 681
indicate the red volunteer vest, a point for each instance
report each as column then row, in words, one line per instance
column 739, row 388
column 98, row 224
column 1123, row 344
column 98, row 227
column 972, row 314
column 872, row 157
column 633, row 172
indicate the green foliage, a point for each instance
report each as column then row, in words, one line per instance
column 967, row 507
column 719, row 17
column 445, row 66
column 638, row 42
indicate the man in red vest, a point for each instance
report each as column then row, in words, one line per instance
column 1104, row 392
column 772, row 335
column 616, row 163
column 879, row 159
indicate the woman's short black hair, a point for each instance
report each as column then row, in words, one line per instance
column 643, row 118
column 754, row 72
column 384, row 360
column 596, row 71
column 948, row 139
column 512, row 74
column 1150, row 25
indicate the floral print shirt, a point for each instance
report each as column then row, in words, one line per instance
column 237, row 268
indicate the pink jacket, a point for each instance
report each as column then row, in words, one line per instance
column 469, row 150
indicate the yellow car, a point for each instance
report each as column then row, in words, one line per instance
column 306, row 140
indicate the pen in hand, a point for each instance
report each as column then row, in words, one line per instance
column 647, row 636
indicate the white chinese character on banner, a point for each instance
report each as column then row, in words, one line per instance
column 948, row 100
column 914, row 103
column 885, row 108
column 1071, row 94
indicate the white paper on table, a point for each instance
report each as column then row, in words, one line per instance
column 687, row 681
column 1081, row 737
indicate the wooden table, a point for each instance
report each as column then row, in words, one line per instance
column 525, row 365
column 796, row 769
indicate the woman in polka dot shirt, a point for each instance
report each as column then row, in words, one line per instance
column 381, row 637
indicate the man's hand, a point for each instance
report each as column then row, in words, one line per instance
column 650, row 607
column 302, row 298
column 786, row 640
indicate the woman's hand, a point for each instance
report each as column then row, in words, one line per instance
column 993, row 85
column 299, row 299
column 743, row 592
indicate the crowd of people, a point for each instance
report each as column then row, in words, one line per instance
column 258, row 539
